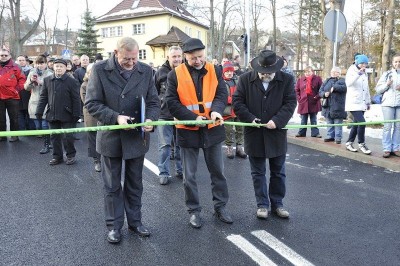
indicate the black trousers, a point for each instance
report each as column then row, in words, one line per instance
column 58, row 141
column 127, row 198
column 12, row 108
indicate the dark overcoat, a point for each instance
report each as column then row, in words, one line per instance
column 278, row 103
column 204, row 137
column 336, row 99
column 108, row 95
column 61, row 95
column 308, row 103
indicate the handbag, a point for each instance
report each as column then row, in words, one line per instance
column 325, row 102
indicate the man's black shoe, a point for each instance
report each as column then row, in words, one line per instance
column 55, row 161
column 179, row 175
column 317, row 136
column 299, row 135
column 140, row 230
column 224, row 216
column 195, row 220
column 329, row 140
column 114, row 236
column 70, row 160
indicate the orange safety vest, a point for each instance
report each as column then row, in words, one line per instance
column 187, row 91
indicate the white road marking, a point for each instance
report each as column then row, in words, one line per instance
column 353, row 181
column 281, row 248
column 151, row 166
column 255, row 254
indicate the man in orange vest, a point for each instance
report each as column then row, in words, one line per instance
column 196, row 91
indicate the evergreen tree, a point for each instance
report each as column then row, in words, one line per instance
column 87, row 37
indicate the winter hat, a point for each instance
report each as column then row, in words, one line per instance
column 360, row 59
column 228, row 67
column 192, row 44
column 60, row 61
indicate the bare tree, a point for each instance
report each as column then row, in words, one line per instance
column 273, row 12
column 17, row 40
column 299, row 51
column 389, row 29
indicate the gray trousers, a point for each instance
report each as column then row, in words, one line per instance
column 215, row 165
column 118, row 199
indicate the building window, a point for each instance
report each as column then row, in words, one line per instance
column 119, row 31
column 105, row 32
column 112, row 32
column 138, row 29
column 186, row 30
column 190, row 32
column 199, row 34
column 142, row 54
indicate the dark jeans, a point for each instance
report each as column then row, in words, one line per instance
column 277, row 187
column 313, row 121
column 358, row 131
column 58, row 141
column 12, row 108
column 118, row 199
column 91, row 136
column 24, row 122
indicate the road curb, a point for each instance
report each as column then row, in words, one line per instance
column 392, row 163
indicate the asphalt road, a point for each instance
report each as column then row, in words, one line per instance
column 343, row 212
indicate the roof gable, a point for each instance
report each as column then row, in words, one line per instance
column 174, row 37
column 128, row 9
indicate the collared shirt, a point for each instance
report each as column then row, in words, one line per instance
column 265, row 85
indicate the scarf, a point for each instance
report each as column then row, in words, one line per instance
column 308, row 85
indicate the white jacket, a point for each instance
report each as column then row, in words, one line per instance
column 391, row 96
column 357, row 97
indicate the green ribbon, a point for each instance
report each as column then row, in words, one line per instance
column 168, row 123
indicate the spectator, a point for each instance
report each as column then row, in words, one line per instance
column 233, row 134
column 24, row 122
column 90, row 121
column 61, row 93
column 266, row 96
column 50, row 63
column 389, row 87
column 12, row 81
column 196, row 91
column 309, row 104
column 333, row 90
column 98, row 58
column 166, row 133
column 34, row 86
column 115, row 92
column 76, row 63
column 358, row 100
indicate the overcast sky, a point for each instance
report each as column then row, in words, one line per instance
column 73, row 9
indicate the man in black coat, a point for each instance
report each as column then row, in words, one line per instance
column 265, row 96
column 120, row 91
column 166, row 133
column 196, row 91
column 61, row 93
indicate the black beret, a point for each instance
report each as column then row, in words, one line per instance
column 192, row 44
column 60, row 61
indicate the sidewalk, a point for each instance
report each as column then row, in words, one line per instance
column 374, row 144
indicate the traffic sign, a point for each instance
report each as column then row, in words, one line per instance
column 66, row 54
column 335, row 25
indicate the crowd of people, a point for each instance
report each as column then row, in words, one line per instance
column 57, row 93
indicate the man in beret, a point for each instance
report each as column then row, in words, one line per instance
column 265, row 96
column 61, row 93
column 196, row 91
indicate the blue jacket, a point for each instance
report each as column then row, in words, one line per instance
column 336, row 99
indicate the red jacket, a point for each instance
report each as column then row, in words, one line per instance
column 12, row 81
column 308, row 103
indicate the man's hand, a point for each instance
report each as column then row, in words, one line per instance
column 39, row 116
column 327, row 94
column 125, row 120
column 270, row 125
column 148, row 128
column 201, row 118
column 256, row 121
column 217, row 118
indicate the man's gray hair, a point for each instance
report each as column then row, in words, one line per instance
column 174, row 48
column 127, row 43
column 336, row 69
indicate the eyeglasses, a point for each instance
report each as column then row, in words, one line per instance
column 4, row 55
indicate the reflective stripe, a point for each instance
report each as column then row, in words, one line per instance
column 196, row 107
